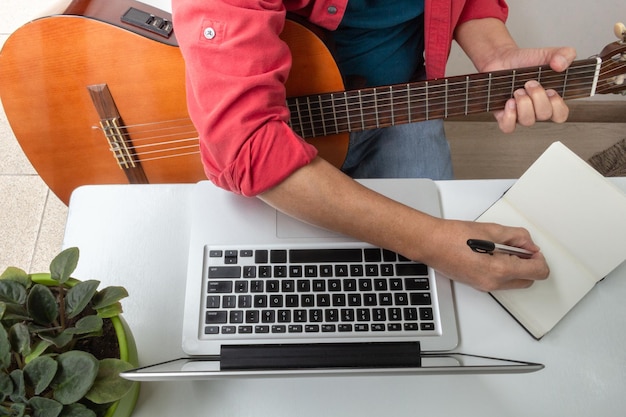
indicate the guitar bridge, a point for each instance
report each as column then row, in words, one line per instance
column 117, row 136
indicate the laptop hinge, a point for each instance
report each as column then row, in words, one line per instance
column 321, row 355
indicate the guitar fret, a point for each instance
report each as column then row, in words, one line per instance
column 513, row 84
column 376, row 107
column 427, row 106
column 345, row 96
column 467, row 79
column 408, row 101
column 539, row 75
column 391, row 105
column 361, row 110
column 332, row 100
column 446, row 101
column 489, row 92
column 319, row 102
column 565, row 83
column 311, row 122
column 299, row 115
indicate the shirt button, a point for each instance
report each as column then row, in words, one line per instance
column 332, row 9
column 209, row 33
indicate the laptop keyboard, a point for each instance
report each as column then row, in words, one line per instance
column 253, row 292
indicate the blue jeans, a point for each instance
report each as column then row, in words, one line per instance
column 416, row 150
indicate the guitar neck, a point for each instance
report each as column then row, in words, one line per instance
column 356, row 110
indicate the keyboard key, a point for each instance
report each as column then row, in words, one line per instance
column 411, row 269
column 265, row 271
column 401, row 299
column 279, row 328
column 261, row 256
column 380, row 284
column 347, row 314
column 303, row 285
column 213, row 301
column 256, row 285
column 410, row 314
column 331, row 315
column 244, row 329
column 310, row 271
column 372, row 254
column 326, row 271
column 356, row 270
column 299, row 316
column 394, row 314
column 276, row 300
column 220, row 287
column 244, row 301
column 272, row 285
column 300, row 256
column 379, row 314
column 339, row 300
column 420, row 298
column 294, row 328
column 284, row 316
column 365, row 284
column 371, row 270
column 323, row 300
column 389, row 256
column 394, row 327
column 260, row 301
column 229, row 330
column 420, row 284
column 426, row 313
column 261, row 329
column 295, row 271
column 319, row 285
column 307, row 300
column 344, row 327
column 291, row 301
column 236, row 316
column 241, row 286
column 249, row 271
column 312, row 328
column 268, row 316
column 212, row 330
column 215, row 317
column 341, row 270
column 361, row 327
column 252, row 316
column 288, row 285
column 328, row 328
column 378, row 327
column 229, row 301
column 279, row 257
column 316, row 315
column 215, row 253
column 280, row 271
column 427, row 326
column 334, row 285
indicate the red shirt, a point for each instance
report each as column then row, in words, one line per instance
column 236, row 66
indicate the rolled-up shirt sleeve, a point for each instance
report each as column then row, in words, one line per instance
column 236, row 67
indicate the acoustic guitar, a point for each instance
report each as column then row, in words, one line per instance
column 95, row 95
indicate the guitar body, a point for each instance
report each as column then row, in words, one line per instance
column 94, row 99
column 47, row 65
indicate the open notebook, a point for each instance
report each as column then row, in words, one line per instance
column 269, row 295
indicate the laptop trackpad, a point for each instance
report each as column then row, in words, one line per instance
column 288, row 227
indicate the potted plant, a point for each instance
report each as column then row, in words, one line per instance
column 63, row 344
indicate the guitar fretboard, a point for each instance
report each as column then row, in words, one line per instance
column 356, row 110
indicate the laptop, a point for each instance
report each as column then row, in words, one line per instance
column 268, row 295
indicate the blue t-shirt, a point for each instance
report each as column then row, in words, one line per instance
column 380, row 42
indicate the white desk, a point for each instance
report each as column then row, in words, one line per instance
column 137, row 236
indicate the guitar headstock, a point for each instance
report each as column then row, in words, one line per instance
column 612, row 77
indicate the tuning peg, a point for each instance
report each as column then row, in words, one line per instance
column 620, row 31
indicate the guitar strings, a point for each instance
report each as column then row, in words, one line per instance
column 457, row 103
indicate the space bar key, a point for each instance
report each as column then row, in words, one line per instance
column 325, row 255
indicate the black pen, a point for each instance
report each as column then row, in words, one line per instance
column 486, row 246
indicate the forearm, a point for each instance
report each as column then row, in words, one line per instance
column 322, row 195
column 485, row 41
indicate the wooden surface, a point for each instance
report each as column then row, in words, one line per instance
column 480, row 150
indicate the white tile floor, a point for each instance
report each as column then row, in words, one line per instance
column 32, row 218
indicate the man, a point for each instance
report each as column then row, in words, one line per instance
column 236, row 69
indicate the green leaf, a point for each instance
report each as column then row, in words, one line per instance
column 15, row 312
column 76, row 374
column 59, row 340
column 40, row 372
column 45, row 407
column 18, row 410
column 41, row 304
column 38, row 350
column 5, row 349
column 19, row 336
column 79, row 296
column 16, row 274
column 64, row 264
column 12, row 292
column 109, row 296
column 109, row 386
column 88, row 324
column 19, row 387
column 110, row 311
column 77, row 410
column 6, row 386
